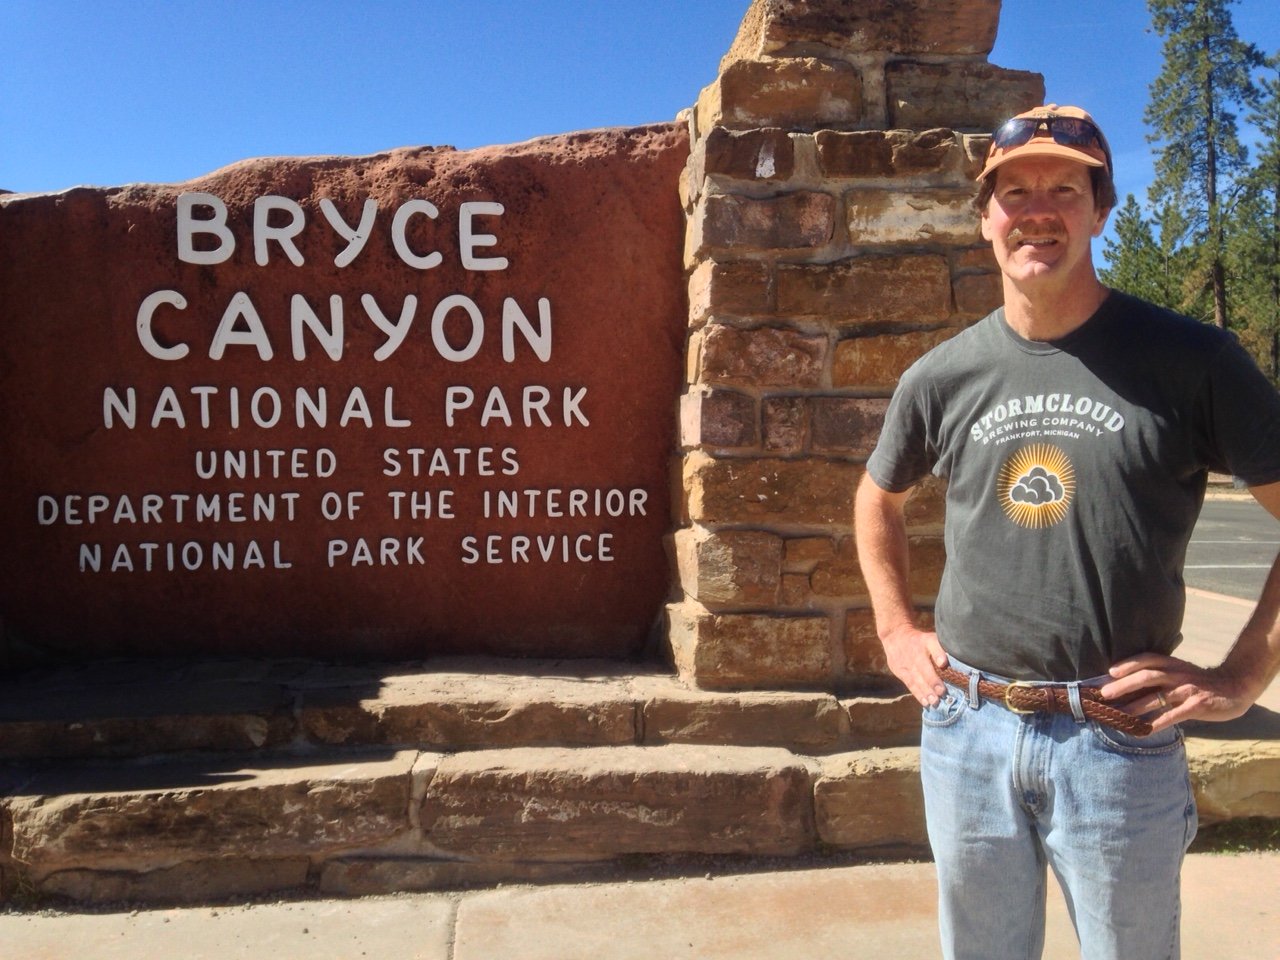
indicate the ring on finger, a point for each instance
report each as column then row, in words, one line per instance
column 1164, row 703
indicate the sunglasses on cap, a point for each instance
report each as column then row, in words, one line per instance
column 1067, row 131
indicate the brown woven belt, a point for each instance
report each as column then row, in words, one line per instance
column 1023, row 697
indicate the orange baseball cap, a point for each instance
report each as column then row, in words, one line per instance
column 1049, row 131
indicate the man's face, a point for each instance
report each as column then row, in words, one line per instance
column 1041, row 220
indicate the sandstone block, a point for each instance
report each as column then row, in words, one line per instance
column 871, row 798
column 883, row 721
column 199, row 882
column 864, row 657
column 876, row 26
column 795, row 591
column 911, row 216
column 135, row 717
column 748, row 651
column 891, row 153
column 785, row 424
column 744, row 491
column 581, row 804
column 452, row 710
column 876, row 362
column 914, row 288
column 767, row 154
column 718, row 418
column 761, row 357
column 977, row 294
column 798, row 93
column 961, row 95
column 927, row 506
column 841, row 576
column 863, row 654
column 800, row 721
column 848, row 425
column 976, row 260
column 738, row 288
column 802, row 220
column 1235, row 779
column 928, row 556
column 855, row 153
column 145, row 816
column 976, row 146
column 804, row 553
column 730, row 567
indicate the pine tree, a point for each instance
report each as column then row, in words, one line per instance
column 1200, row 158
column 1258, row 232
column 1135, row 262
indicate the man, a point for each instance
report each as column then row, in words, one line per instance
column 1075, row 427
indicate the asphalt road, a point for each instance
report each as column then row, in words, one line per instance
column 1232, row 548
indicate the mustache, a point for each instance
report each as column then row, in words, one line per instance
column 1045, row 231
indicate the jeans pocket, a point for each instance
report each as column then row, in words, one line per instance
column 1164, row 741
column 945, row 712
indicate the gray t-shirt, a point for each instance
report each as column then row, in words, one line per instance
column 1075, row 473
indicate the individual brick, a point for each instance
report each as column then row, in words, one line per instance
column 913, row 288
column 977, row 294
column 141, row 816
column 877, row 362
column 798, row 721
column 785, row 424
column 761, row 357
column 797, row 93
column 841, row 576
column 766, row 154
column 760, row 491
column 883, row 720
column 956, row 27
column 717, row 418
column 740, row 288
column 888, row 216
column 871, row 798
column 582, row 804
column 803, row 553
column 890, row 153
column 961, row 95
column 846, row 424
column 740, row 568
column 802, row 220
column 743, row 651
column 926, row 506
column 857, row 153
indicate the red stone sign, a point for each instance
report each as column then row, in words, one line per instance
column 389, row 406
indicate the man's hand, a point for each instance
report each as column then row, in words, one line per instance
column 1178, row 690
column 915, row 657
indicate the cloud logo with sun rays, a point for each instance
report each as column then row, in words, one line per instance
column 1036, row 485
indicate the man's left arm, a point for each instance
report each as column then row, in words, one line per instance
column 1183, row 691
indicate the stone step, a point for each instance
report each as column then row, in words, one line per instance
column 196, row 829
column 351, row 822
column 143, row 708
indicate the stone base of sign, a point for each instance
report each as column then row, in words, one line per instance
column 348, row 780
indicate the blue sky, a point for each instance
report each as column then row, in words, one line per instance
column 105, row 92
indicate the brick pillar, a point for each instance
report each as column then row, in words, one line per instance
column 830, row 242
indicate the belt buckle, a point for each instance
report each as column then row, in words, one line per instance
column 1008, row 689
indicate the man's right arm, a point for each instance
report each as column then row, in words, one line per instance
column 880, row 526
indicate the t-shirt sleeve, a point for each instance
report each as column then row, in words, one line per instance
column 902, row 456
column 1239, row 418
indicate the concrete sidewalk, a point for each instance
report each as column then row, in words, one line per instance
column 877, row 911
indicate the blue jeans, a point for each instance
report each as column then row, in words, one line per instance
column 1007, row 794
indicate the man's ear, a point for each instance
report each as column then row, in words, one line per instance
column 1101, row 223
